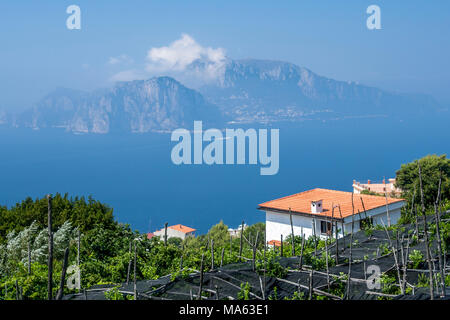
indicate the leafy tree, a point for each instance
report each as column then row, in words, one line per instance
column 81, row 213
column 219, row 233
column 251, row 231
column 431, row 166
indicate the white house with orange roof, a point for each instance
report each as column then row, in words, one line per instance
column 176, row 231
column 380, row 188
column 322, row 209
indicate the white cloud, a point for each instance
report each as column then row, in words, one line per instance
column 181, row 53
column 184, row 59
column 122, row 59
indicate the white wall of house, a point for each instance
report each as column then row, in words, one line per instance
column 172, row 233
column 278, row 224
column 379, row 216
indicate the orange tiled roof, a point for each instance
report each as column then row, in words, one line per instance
column 301, row 202
column 276, row 243
column 180, row 227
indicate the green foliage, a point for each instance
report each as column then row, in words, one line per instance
column 372, row 193
column 339, row 285
column 416, row 257
column 389, row 284
column 423, row 280
column 384, row 249
column 244, row 293
column 114, row 294
column 274, row 295
column 175, row 241
column 251, row 231
column 431, row 166
column 80, row 212
column 15, row 250
column 219, row 233
column 272, row 265
column 296, row 296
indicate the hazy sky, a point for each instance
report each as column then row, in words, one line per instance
column 38, row 53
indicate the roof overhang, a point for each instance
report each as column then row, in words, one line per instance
column 370, row 212
column 297, row 213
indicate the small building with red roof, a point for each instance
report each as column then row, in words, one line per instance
column 324, row 212
column 176, row 231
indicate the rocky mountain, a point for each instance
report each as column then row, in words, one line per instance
column 157, row 104
column 262, row 90
column 242, row 91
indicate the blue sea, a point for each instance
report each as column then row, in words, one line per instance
column 134, row 174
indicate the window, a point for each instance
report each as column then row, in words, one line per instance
column 325, row 227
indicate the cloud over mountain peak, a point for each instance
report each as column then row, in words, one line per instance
column 181, row 53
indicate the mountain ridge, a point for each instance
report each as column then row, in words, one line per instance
column 244, row 91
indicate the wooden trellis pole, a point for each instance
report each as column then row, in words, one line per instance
column 78, row 256
column 300, row 265
column 336, row 234
column 200, row 288
column 231, row 246
column 342, row 226
column 50, row 250
column 17, row 291
column 364, row 208
column 264, row 258
column 181, row 261
column 349, row 276
column 281, row 246
column 135, row 267
column 221, row 258
column 326, row 261
column 129, row 263
column 387, row 204
column 165, row 234
column 395, row 252
column 405, row 263
column 311, row 274
column 314, row 238
column 438, row 237
column 240, row 244
column 413, row 210
column 254, row 251
column 29, row 256
column 427, row 248
column 212, row 254
column 292, row 234
column 216, row 289
column 262, row 288
column 63, row 275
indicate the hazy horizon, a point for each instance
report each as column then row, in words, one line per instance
column 121, row 42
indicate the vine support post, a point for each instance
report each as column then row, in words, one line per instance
column 292, row 234
column 63, row 275
column 240, row 244
column 50, row 250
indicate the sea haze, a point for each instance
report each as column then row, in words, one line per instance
column 133, row 173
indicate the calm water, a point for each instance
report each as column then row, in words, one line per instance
column 134, row 173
